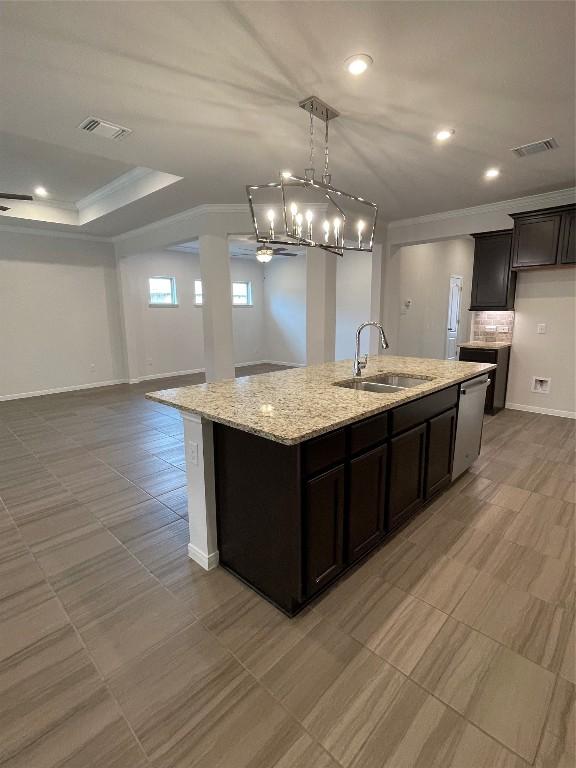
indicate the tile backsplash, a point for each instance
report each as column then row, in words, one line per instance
column 492, row 326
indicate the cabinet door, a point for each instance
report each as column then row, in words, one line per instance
column 441, row 433
column 365, row 522
column 323, row 528
column 535, row 241
column 568, row 247
column 407, row 464
column 491, row 278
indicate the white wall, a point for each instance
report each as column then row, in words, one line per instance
column 59, row 313
column 170, row 340
column 249, row 322
column 544, row 296
column 422, row 274
column 353, row 291
column 285, row 297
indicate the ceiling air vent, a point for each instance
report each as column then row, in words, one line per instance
column 103, row 128
column 534, row 147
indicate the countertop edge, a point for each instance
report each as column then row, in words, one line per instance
column 317, row 432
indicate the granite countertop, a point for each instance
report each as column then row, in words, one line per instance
column 296, row 404
column 485, row 344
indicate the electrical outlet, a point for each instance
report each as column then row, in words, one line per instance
column 193, row 452
column 541, row 385
column 92, row 367
column 541, row 328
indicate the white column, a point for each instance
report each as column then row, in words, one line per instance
column 217, row 307
column 199, row 447
column 320, row 306
column 133, row 293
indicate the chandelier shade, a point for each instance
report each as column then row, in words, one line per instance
column 305, row 212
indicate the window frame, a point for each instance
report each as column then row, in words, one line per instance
column 173, row 293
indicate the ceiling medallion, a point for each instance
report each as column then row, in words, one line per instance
column 303, row 211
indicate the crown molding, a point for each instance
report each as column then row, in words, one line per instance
column 190, row 214
column 53, row 233
column 120, row 182
column 516, row 205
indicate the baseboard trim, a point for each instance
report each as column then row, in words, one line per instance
column 150, row 377
column 59, row 390
column 538, row 409
column 169, row 375
column 208, row 562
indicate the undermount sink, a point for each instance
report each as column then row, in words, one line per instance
column 385, row 383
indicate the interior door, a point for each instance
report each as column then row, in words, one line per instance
column 454, row 301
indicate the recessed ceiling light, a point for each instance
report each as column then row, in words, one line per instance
column 492, row 173
column 359, row 63
column 40, row 191
column 445, row 134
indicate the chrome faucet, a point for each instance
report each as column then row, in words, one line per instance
column 359, row 363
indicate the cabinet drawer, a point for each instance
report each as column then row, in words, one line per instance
column 323, row 452
column 369, row 432
column 411, row 414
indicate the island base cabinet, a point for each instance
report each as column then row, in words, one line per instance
column 407, row 470
column 323, row 528
column 441, row 433
column 366, row 502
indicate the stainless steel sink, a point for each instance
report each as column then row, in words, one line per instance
column 384, row 384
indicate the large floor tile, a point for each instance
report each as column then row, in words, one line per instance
column 55, row 711
column 535, row 629
column 256, row 632
column 135, row 626
column 499, row 691
column 191, row 704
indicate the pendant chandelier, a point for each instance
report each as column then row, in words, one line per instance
column 303, row 211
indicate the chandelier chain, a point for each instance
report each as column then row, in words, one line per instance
column 311, row 140
column 326, row 151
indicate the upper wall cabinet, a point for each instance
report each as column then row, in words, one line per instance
column 544, row 238
column 493, row 282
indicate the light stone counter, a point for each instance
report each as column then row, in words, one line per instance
column 485, row 344
column 294, row 405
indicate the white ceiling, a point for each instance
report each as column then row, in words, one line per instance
column 211, row 89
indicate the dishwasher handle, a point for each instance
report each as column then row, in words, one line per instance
column 478, row 385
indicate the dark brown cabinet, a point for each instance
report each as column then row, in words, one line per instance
column 324, row 528
column 496, row 392
column 493, row 282
column 439, row 450
column 407, row 471
column 543, row 238
column 366, row 505
column 292, row 518
column 568, row 246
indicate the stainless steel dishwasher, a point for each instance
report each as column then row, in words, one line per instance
column 469, row 428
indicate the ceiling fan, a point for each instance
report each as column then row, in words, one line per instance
column 7, row 196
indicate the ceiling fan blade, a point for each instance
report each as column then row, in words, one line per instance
column 5, row 196
column 4, row 208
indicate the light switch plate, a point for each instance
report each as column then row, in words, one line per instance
column 541, row 328
column 193, row 452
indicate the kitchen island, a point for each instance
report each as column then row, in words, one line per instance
column 294, row 476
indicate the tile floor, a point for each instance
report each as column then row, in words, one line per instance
column 453, row 646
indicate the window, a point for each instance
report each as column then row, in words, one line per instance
column 242, row 294
column 162, row 291
column 198, row 292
